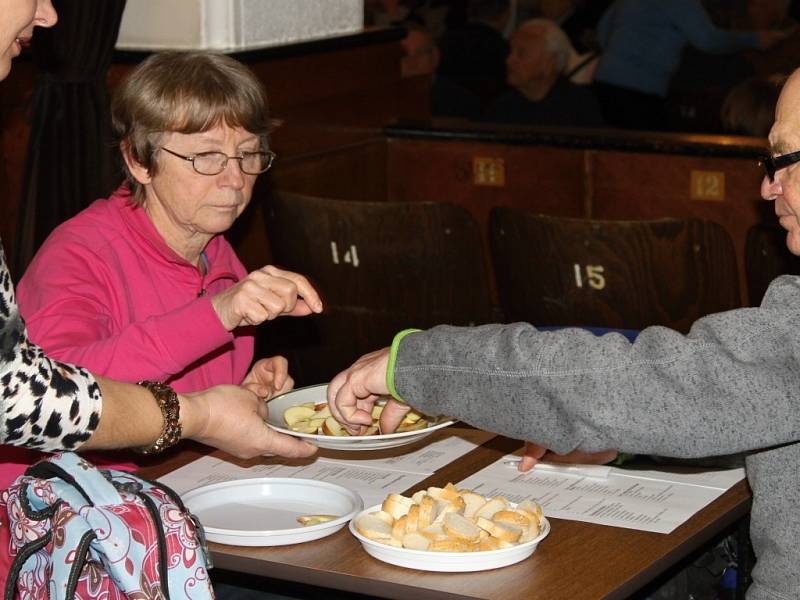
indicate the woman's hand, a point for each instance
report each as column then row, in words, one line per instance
column 264, row 295
column 269, row 377
column 231, row 418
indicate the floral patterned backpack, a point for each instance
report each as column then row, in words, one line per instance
column 69, row 530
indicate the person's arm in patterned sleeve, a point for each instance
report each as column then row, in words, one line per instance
column 45, row 404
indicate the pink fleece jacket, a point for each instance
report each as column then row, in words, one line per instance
column 107, row 293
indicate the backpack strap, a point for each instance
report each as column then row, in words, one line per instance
column 178, row 528
column 18, row 564
column 80, row 475
column 62, row 534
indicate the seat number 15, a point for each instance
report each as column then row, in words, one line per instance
column 591, row 274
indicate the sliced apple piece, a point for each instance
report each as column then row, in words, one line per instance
column 421, row 424
column 293, row 414
column 332, row 427
column 303, row 426
column 316, row 422
column 412, row 416
column 323, row 411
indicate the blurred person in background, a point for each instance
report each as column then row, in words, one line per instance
column 772, row 15
column 420, row 52
column 749, row 107
column 541, row 92
column 642, row 41
column 577, row 18
column 472, row 64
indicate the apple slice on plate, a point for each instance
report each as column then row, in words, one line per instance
column 293, row 414
column 332, row 427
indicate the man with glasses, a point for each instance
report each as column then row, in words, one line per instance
column 143, row 285
column 731, row 385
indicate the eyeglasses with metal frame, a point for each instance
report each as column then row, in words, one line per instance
column 214, row 163
column 772, row 164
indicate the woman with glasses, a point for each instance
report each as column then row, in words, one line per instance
column 50, row 405
column 143, row 285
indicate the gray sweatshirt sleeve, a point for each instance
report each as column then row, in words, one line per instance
column 730, row 385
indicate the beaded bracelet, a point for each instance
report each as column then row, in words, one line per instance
column 168, row 402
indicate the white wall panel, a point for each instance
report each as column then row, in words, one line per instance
column 234, row 24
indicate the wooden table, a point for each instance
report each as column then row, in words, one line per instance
column 576, row 561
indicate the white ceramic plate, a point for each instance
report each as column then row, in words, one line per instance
column 264, row 511
column 317, row 394
column 449, row 562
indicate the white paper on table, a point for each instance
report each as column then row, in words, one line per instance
column 427, row 457
column 371, row 484
column 646, row 500
column 372, row 479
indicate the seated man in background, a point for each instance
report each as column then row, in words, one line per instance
column 540, row 94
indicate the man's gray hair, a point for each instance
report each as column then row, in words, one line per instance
column 556, row 41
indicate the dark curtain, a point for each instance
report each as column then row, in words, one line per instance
column 71, row 159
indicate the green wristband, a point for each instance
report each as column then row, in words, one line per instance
column 393, row 360
column 621, row 459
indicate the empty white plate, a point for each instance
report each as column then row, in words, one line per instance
column 264, row 511
column 318, row 394
column 449, row 562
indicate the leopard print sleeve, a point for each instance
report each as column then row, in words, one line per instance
column 44, row 404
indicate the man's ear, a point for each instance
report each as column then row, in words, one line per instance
column 139, row 172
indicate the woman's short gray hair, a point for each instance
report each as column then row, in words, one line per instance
column 184, row 92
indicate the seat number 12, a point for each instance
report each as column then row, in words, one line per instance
column 593, row 275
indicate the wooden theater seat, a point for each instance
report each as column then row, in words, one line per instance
column 380, row 267
column 620, row 274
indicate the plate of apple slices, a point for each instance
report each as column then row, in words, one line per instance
column 305, row 413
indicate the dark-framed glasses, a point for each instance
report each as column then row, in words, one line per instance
column 214, row 163
column 772, row 164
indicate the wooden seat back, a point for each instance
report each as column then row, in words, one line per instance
column 380, row 267
column 622, row 274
